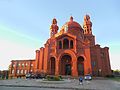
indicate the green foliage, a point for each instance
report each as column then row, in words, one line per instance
column 117, row 70
column 60, row 77
column 110, row 76
column 48, row 77
column 53, row 78
column 57, row 78
column 115, row 78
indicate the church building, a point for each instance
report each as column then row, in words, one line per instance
column 70, row 51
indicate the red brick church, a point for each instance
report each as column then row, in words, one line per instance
column 69, row 51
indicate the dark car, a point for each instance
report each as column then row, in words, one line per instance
column 40, row 75
column 30, row 76
column 35, row 75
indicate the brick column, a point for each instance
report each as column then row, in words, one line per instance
column 37, row 60
column 108, row 67
column 74, row 68
column 57, row 67
column 41, row 64
column 87, row 62
column 46, row 50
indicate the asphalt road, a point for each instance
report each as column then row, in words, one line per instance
column 27, row 88
column 95, row 84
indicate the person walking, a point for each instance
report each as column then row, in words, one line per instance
column 81, row 81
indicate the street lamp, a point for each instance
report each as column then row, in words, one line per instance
column 100, row 72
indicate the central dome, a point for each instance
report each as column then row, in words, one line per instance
column 73, row 28
column 71, row 24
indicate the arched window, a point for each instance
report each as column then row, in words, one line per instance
column 60, row 45
column 80, row 65
column 21, row 71
column 25, row 72
column 71, row 44
column 18, row 71
column 52, row 65
column 65, row 44
column 12, row 71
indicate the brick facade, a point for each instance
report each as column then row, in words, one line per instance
column 19, row 68
column 71, row 51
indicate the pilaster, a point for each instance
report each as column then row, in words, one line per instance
column 57, row 67
column 74, row 68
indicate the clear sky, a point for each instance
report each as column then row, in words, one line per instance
column 24, row 25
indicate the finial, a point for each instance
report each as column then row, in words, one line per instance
column 71, row 18
column 86, row 17
column 54, row 21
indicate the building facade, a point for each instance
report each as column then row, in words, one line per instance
column 72, row 51
column 4, row 74
column 19, row 68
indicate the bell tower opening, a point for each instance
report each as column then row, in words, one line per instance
column 65, row 44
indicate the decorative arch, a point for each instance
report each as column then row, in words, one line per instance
column 52, row 65
column 69, row 52
column 65, row 65
column 80, row 65
column 72, row 63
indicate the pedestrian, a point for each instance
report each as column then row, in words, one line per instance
column 81, row 81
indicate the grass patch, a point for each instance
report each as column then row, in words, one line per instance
column 54, row 78
column 114, row 78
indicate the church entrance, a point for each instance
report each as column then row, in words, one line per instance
column 52, row 65
column 67, row 69
column 80, row 65
column 65, row 65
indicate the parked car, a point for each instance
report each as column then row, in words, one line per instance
column 40, row 75
column 88, row 77
column 30, row 76
column 35, row 75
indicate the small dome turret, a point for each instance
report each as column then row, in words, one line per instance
column 87, row 25
column 53, row 28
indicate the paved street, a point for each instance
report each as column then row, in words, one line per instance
column 72, row 84
column 27, row 88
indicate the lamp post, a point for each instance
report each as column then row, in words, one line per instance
column 99, row 71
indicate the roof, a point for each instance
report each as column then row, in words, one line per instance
column 24, row 60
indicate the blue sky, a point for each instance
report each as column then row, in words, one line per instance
column 24, row 25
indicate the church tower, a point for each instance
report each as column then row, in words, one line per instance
column 87, row 26
column 53, row 28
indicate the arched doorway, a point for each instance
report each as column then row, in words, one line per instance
column 52, row 66
column 65, row 65
column 80, row 65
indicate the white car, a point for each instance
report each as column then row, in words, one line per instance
column 88, row 77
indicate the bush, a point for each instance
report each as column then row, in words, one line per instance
column 60, row 77
column 110, row 76
column 53, row 78
column 57, row 78
column 48, row 77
